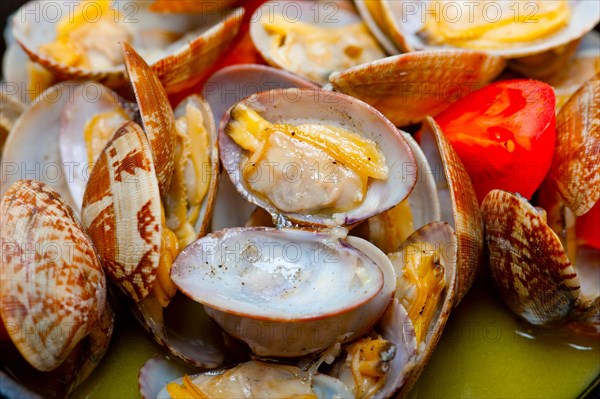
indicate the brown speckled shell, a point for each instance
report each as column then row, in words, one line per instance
column 122, row 211
column 52, row 288
column 185, row 68
column 528, row 263
column 156, row 112
column 408, row 87
column 466, row 216
column 575, row 170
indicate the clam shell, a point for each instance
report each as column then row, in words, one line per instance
column 210, row 171
column 320, row 14
column 190, row 6
column 87, row 100
column 179, row 66
column 156, row 112
column 574, row 173
column 335, row 109
column 408, row 87
column 458, row 202
column 396, row 327
column 32, row 148
column 442, row 236
column 370, row 12
column 527, row 261
column 156, row 373
column 232, row 84
column 122, row 211
column 10, row 110
column 233, row 273
column 199, row 343
column 404, row 24
column 50, row 275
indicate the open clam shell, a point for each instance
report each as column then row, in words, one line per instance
column 59, row 284
column 156, row 112
column 262, row 284
column 122, row 211
column 405, row 19
column 574, row 173
column 210, row 171
column 372, row 14
column 87, row 100
column 179, row 63
column 441, row 236
column 458, row 201
column 296, row 106
column 408, row 87
column 528, row 263
column 322, row 15
column 32, row 148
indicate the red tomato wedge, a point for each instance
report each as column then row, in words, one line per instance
column 504, row 134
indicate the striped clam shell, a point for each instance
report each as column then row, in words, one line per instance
column 51, row 280
column 122, row 211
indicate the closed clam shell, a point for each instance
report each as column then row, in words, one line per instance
column 297, row 106
column 458, row 202
column 575, row 171
column 528, row 263
column 32, row 148
column 156, row 112
column 408, row 87
column 405, row 19
column 122, row 211
column 51, row 280
column 441, row 236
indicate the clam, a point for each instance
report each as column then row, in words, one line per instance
column 312, row 38
column 222, row 90
column 139, row 229
column 458, row 203
column 426, row 266
column 429, row 25
column 408, row 87
column 574, row 172
column 266, row 379
column 180, row 47
column 531, row 268
column 53, row 290
column 260, row 285
column 321, row 145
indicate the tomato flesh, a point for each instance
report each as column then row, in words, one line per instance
column 504, row 133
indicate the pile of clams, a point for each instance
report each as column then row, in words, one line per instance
column 272, row 227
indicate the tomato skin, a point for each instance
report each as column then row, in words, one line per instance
column 504, row 134
column 587, row 226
